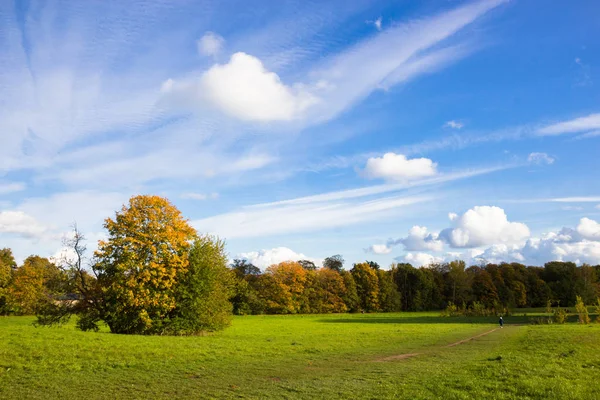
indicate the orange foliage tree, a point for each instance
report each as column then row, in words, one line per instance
column 140, row 263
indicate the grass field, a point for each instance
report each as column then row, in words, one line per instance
column 307, row 356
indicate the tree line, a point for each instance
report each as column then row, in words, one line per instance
column 300, row 287
column 154, row 274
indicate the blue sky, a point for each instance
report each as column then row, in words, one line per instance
column 389, row 131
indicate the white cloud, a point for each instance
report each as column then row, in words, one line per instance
column 210, row 44
column 266, row 258
column 454, row 124
column 244, row 89
column 387, row 187
column 589, row 123
column 540, row 158
column 377, row 23
column 12, row 187
column 579, row 245
column 379, row 249
column 589, row 229
column 589, row 135
column 483, row 226
column 21, row 224
column 265, row 220
column 422, row 259
column 419, row 239
column 397, row 167
column 200, row 196
column 598, row 207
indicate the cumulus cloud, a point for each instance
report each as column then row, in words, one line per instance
column 244, row 89
column 483, row 226
column 379, row 249
column 421, row 259
column 580, row 245
column 418, row 239
column 397, row 167
column 454, row 124
column 540, row 158
column 20, row 223
column 210, row 44
column 589, row 229
column 265, row 258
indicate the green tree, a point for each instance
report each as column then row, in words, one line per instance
column 335, row 263
column 307, row 265
column 458, row 282
column 203, row 292
column 389, row 297
column 483, row 288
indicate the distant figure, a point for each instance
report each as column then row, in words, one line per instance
column 501, row 322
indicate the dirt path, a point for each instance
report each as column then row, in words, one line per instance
column 410, row 355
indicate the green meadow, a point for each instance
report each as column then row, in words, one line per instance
column 376, row 356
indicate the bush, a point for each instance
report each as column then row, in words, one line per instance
column 560, row 316
column 582, row 311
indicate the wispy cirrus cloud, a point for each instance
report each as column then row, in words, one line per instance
column 577, row 125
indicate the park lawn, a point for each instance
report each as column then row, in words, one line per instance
column 307, row 356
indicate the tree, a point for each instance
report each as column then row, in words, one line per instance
column 243, row 268
column 562, row 278
column 140, row 264
column 389, row 297
column 457, row 281
column 483, row 288
column 202, row 295
column 335, row 263
column 245, row 298
column 307, row 265
column 350, row 297
column 6, row 276
column 143, row 281
column 34, row 284
column 328, row 292
column 367, row 286
column 6, row 258
column 286, row 294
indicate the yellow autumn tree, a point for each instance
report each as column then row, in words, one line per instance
column 367, row 286
column 33, row 285
column 286, row 294
column 140, row 264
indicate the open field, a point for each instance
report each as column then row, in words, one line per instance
column 307, row 356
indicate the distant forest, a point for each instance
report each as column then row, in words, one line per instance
column 301, row 287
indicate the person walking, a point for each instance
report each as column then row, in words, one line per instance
column 501, row 322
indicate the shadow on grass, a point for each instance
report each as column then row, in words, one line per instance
column 426, row 320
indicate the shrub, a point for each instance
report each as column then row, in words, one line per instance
column 560, row 316
column 582, row 311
